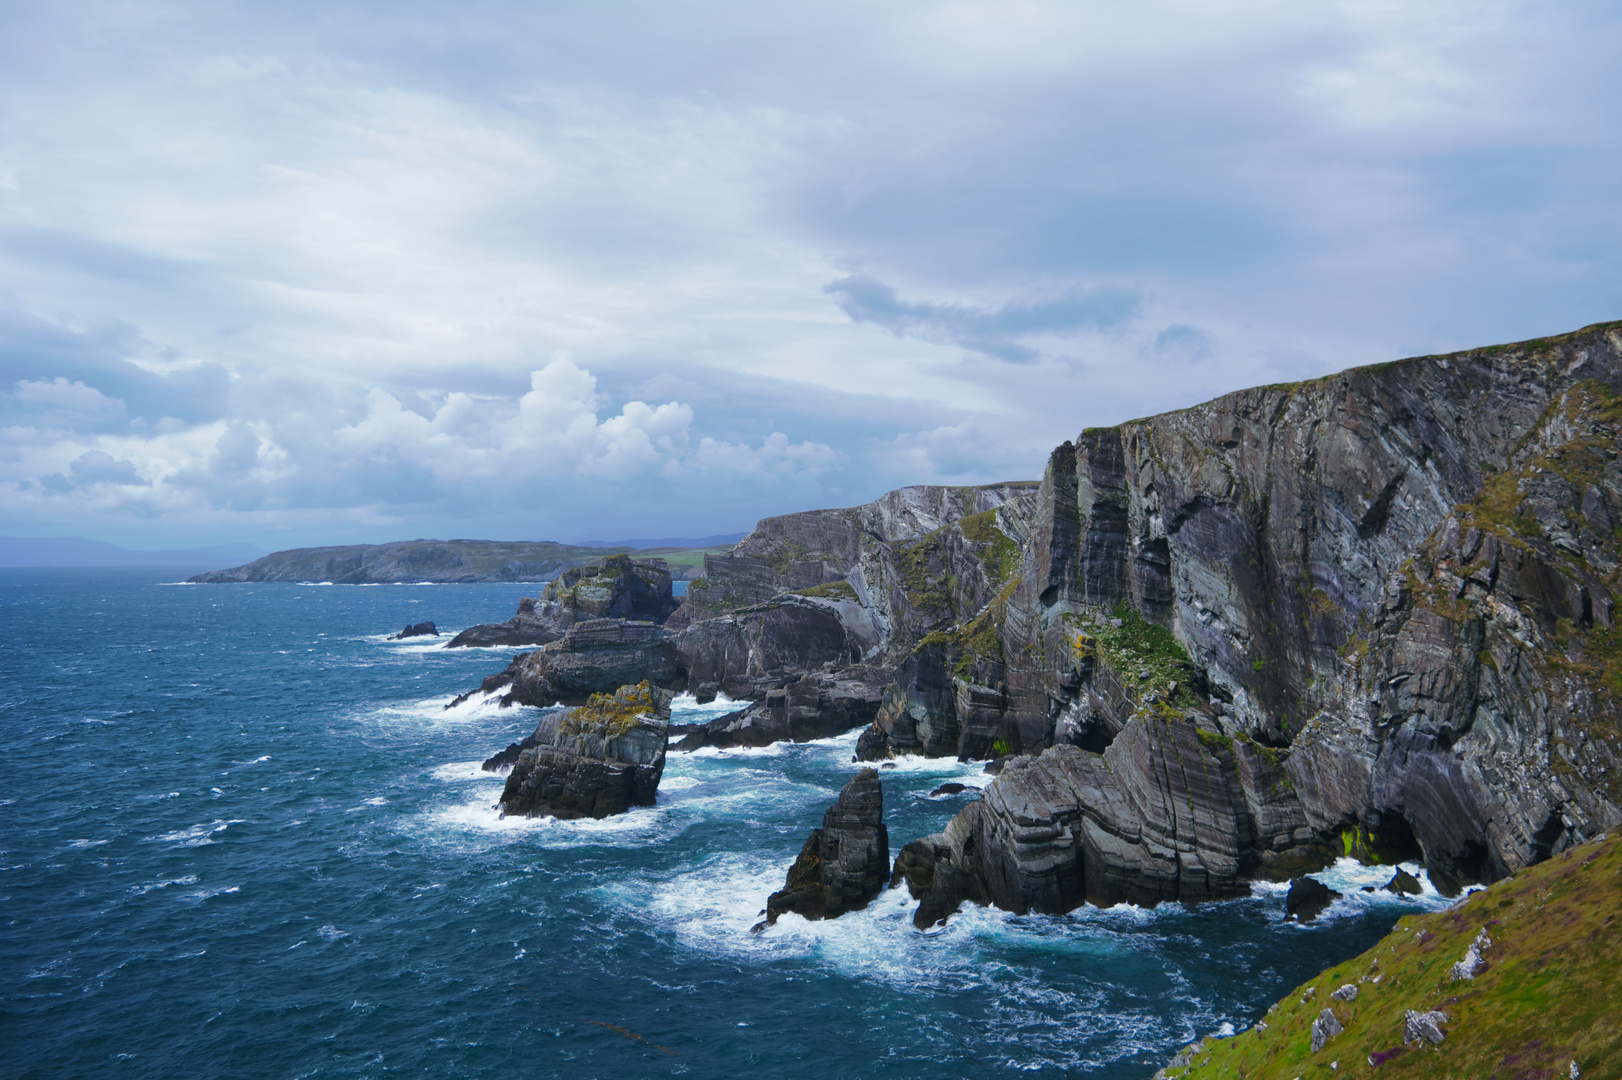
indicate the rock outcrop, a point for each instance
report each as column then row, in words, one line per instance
column 595, row 760
column 844, row 864
column 596, row 656
column 422, row 629
column 835, row 596
column 617, row 587
column 1394, row 586
column 1167, row 812
column 809, row 708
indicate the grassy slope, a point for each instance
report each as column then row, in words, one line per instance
column 1552, row 991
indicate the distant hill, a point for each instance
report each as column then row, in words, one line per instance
column 443, row 562
column 79, row 551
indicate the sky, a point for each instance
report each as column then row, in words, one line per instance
column 307, row 273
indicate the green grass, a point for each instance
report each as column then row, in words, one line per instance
column 1140, row 652
column 1549, row 996
column 832, row 590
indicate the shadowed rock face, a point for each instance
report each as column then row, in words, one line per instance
column 599, row 759
column 844, row 864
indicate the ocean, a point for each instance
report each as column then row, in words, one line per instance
column 240, row 836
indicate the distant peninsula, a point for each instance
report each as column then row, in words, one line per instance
column 444, row 562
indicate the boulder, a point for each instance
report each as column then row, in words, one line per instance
column 844, row 864
column 595, row 760
column 422, row 629
column 1403, row 884
column 1324, row 1028
column 1473, row 964
column 1307, row 899
column 1167, row 812
column 1424, row 1025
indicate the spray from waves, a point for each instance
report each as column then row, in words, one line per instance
column 1349, row 878
column 710, row 907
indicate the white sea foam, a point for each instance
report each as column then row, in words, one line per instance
column 685, row 709
column 206, row 894
column 197, row 835
column 1348, row 877
column 461, row 770
column 140, row 890
column 87, row 843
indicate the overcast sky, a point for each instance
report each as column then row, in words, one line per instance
column 335, row 272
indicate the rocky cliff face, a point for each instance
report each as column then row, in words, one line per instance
column 599, row 759
column 1372, row 610
column 838, row 597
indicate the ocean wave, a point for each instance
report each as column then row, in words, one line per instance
column 1349, row 878
column 197, row 835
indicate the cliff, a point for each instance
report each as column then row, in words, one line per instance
column 1374, row 610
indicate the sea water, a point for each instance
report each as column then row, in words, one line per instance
column 241, row 836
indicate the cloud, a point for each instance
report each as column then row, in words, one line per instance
column 308, row 272
column 1183, row 342
column 996, row 332
column 95, row 467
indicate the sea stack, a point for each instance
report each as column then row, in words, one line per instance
column 597, row 759
column 844, row 864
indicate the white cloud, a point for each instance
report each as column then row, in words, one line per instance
column 298, row 272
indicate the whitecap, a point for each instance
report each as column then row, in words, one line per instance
column 140, row 890
column 87, row 843
column 197, row 835
column 205, row 894
column 461, row 770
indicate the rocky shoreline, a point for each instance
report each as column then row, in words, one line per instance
column 1369, row 614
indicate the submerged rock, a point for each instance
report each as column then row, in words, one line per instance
column 422, row 629
column 844, row 864
column 598, row 759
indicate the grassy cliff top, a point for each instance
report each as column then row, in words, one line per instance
column 1548, row 996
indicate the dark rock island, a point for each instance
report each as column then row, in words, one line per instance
column 601, row 758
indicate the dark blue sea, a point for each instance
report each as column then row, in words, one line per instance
column 240, row 837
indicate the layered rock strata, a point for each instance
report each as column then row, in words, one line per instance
column 844, row 864
column 839, row 596
column 1397, row 580
column 595, row 760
